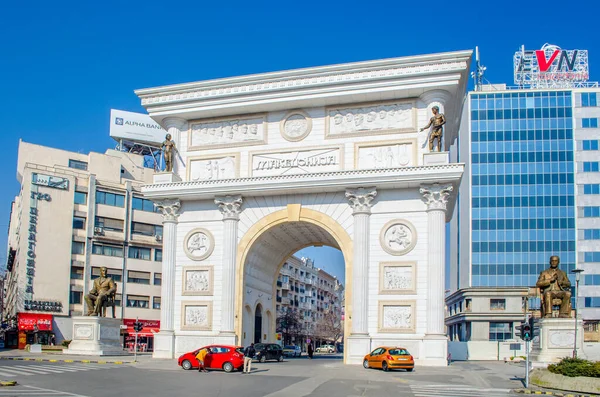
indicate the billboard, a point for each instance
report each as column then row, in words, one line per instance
column 550, row 67
column 135, row 127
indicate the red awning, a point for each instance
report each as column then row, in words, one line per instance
column 28, row 321
column 141, row 333
column 146, row 331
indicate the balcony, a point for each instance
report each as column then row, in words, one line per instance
column 285, row 301
column 285, row 272
column 285, row 285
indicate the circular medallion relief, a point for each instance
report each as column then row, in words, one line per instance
column 398, row 237
column 198, row 244
column 295, row 126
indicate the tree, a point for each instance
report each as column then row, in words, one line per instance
column 289, row 324
column 330, row 326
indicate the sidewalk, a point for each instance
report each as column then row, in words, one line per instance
column 22, row 355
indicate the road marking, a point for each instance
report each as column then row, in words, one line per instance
column 438, row 390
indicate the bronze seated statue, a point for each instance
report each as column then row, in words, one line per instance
column 554, row 288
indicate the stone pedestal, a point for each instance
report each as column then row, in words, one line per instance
column 35, row 348
column 436, row 158
column 556, row 339
column 165, row 177
column 356, row 348
column 96, row 336
column 164, row 344
column 435, row 351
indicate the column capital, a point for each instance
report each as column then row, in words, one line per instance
column 174, row 122
column 436, row 195
column 361, row 199
column 169, row 208
column 230, row 206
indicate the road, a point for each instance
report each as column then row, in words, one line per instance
column 320, row 377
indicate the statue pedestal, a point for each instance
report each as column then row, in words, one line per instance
column 96, row 336
column 436, row 158
column 166, row 177
column 556, row 340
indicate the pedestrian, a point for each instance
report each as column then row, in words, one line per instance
column 449, row 358
column 200, row 357
column 309, row 349
column 249, row 352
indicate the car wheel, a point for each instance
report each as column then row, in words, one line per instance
column 263, row 359
column 409, row 369
column 384, row 366
column 186, row 364
column 366, row 364
column 228, row 367
column 330, row 351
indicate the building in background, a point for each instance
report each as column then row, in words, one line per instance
column 74, row 214
column 531, row 189
column 309, row 303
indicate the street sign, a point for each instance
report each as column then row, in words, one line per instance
column 515, row 346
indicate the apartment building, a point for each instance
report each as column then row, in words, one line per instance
column 311, row 292
column 74, row 214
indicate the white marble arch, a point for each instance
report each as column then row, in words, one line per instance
column 259, row 220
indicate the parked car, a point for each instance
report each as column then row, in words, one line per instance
column 292, row 351
column 268, row 351
column 388, row 358
column 325, row 349
column 225, row 357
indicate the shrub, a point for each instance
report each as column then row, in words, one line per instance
column 66, row 343
column 576, row 367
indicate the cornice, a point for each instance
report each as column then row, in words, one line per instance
column 301, row 79
column 308, row 183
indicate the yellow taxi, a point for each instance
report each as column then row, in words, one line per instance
column 388, row 358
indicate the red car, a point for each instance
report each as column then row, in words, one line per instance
column 227, row 358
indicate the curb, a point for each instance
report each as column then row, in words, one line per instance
column 8, row 383
column 51, row 360
column 551, row 393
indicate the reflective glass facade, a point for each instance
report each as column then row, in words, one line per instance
column 522, row 185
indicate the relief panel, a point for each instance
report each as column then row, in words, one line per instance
column 224, row 132
column 198, row 244
column 198, row 280
column 390, row 154
column 397, row 317
column 397, row 278
column 371, row 119
column 196, row 315
column 208, row 168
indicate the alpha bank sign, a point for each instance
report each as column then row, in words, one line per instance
column 550, row 67
column 135, row 127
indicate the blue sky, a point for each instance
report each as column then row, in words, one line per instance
column 64, row 64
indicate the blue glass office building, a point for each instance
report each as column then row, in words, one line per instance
column 521, row 205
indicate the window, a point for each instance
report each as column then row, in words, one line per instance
column 143, row 205
column 592, row 302
column 589, row 123
column 158, row 255
column 76, row 273
column 590, row 144
column 80, row 198
column 118, row 299
column 591, row 257
column 138, row 277
column 80, row 165
column 146, row 229
column 77, row 248
column 75, row 297
column 139, row 253
column 591, row 188
column 138, row 301
column 156, row 302
column 500, row 331
column 588, row 99
column 497, row 304
column 591, row 234
column 108, row 250
column 591, row 279
column 157, row 278
column 591, row 166
column 115, row 274
column 114, row 225
column 116, row 200
column 78, row 222
column 591, row 212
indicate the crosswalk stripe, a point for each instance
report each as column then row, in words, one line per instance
column 56, row 370
column 31, row 368
column 62, row 368
column 456, row 391
column 46, row 369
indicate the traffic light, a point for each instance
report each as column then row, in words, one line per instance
column 526, row 331
column 137, row 326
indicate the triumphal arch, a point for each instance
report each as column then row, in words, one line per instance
column 270, row 163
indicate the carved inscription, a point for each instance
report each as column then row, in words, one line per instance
column 300, row 162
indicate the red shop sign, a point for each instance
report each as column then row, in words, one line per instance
column 145, row 323
column 27, row 321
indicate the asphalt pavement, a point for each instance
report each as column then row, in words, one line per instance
column 324, row 376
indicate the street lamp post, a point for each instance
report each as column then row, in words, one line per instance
column 577, row 275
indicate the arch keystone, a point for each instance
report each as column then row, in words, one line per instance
column 293, row 212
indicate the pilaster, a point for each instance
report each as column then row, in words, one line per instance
column 230, row 207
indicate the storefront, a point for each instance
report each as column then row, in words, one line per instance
column 145, row 338
column 34, row 328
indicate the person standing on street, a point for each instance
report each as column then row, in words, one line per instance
column 249, row 352
column 309, row 350
column 200, row 357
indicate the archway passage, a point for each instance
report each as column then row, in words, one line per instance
column 258, row 324
column 264, row 249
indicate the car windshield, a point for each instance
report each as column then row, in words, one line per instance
column 399, row 352
column 240, row 350
column 290, row 347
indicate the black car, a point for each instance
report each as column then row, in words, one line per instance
column 268, row 351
